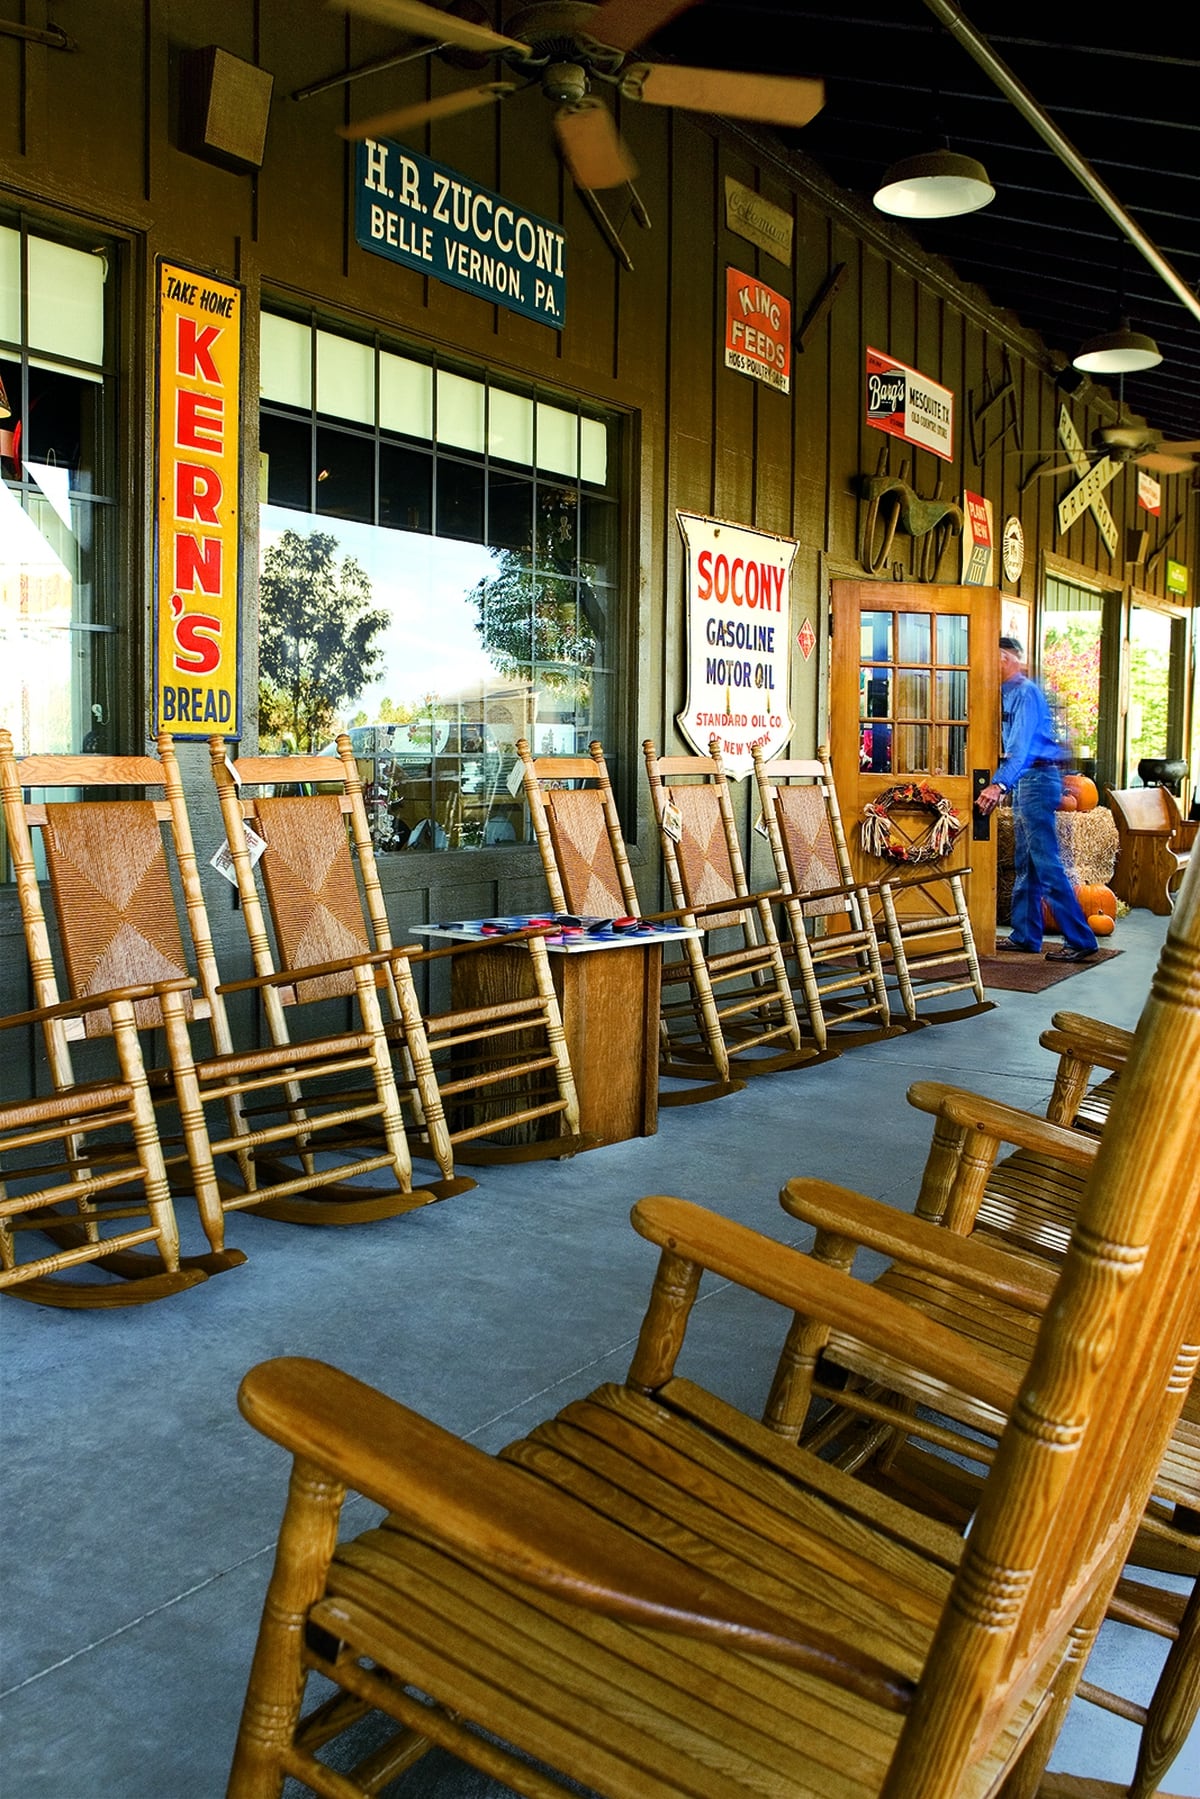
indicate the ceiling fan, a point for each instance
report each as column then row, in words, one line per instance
column 1125, row 442
column 564, row 47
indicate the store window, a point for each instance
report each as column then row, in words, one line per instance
column 59, row 627
column 438, row 577
column 1157, row 660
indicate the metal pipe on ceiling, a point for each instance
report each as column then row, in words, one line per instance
column 978, row 48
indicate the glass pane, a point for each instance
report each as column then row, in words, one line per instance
column 951, row 694
column 1149, row 685
column 913, row 637
column 912, row 749
column 874, row 693
column 405, row 396
column 1071, row 674
column 557, row 439
column 10, row 284
column 65, row 426
column 460, row 409
column 510, row 512
column 345, row 379
column 557, row 521
column 593, row 452
column 66, row 300
column 459, row 500
column 285, row 361
column 286, row 446
column 345, row 475
column 405, row 488
column 953, row 638
column 950, row 750
column 598, row 521
column 875, row 630
column 912, row 693
column 875, row 750
column 510, row 427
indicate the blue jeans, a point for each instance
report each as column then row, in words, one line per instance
column 1039, row 870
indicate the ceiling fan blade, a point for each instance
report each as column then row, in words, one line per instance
column 774, row 99
column 431, row 21
column 1160, row 464
column 623, row 24
column 1183, row 449
column 591, row 146
column 1063, row 468
column 404, row 118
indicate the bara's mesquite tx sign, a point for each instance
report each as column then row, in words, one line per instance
column 432, row 219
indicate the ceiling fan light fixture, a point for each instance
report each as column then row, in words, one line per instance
column 1119, row 352
column 940, row 184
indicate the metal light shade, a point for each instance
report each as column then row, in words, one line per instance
column 937, row 185
column 1119, row 352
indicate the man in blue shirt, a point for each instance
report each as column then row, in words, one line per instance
column 1031, row 770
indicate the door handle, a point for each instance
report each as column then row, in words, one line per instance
column 981, row 822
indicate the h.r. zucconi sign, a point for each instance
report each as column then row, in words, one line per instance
column 197, row 618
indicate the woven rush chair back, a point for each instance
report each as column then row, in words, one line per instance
column 578, row 833
column 326, row 906
column 654, row 1554
column 840, row 973
column 113, row 1215
column 740, row 1000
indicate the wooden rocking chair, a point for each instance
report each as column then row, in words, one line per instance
column 497, row 1068
column 104, row 1207
column 586, row 863
column 840, row 974
column 115, row 866
column 737, row 1001
column 662, row 1598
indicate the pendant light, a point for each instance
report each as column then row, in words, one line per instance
column 1120, row 352
column 937, row 185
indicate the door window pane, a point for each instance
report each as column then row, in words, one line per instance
column 953, row 638
column 950, row 690
column 914, row 637
column 875, row 631
column 912, row 693
column 912, row 749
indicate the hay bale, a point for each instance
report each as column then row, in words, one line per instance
column 1087, row 842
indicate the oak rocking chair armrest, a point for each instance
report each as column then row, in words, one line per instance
column 1109, row 1045
column 287, row 977
column 421, row 953
column 916, row 1243
column 488, row 1511
column 927, row 879
column 794, row 1279
column 735, row 902
column 842, row 889
column 1007, row 1124
column 99, row 1002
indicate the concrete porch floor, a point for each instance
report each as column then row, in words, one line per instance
column 141, row 1512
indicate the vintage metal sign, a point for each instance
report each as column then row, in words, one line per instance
column 759, row 221
column 758, row 331
column 737, row 620
column 197, row 610
column 433, row 219
column 1090, row 489
column 906, row 404
column 977, row 540
column 1149, row 492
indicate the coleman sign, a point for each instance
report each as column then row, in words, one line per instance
column 737, row 612
column 758, row 331
column 908, row 405
column 432, row 219
column 196, row 612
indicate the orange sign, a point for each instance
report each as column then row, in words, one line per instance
column 197, row 617
column 758, row 331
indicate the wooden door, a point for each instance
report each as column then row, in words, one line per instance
column 915, row 696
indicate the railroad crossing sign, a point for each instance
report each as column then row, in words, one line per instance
column 1088, row 491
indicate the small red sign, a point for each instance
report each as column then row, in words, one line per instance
column 806, row 637
column 758, row 330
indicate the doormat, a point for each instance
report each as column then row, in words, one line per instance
column 1015, row 972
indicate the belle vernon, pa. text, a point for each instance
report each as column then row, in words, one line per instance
column 481, row 218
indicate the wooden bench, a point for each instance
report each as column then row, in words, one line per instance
column 1151, row 856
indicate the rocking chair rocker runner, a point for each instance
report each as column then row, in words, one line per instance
column 85, row 1201
column 115, row 909
column 502, row 1065
column 661, row 1597
column 579, row 836
column 738, row 1001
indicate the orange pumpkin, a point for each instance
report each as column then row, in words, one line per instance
column 1086, row 793
column 1068, row 802
column 1102, row 924
column 1097, row 899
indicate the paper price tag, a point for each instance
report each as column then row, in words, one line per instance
column 760, row 827
column 516, row 777
column 222, row 861
column 672, row 822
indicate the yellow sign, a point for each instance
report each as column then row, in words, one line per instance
column 197, row 617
